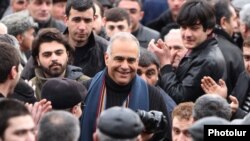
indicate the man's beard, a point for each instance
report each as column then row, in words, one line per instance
column 53, row 72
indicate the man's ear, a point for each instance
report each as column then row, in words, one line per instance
column 19, row 38
column 74, row 110
column 223, row 22
column 141, row 15
column 106, row 57
column 38, row 62
column 209, row 31
column 13, row 72
column 104, row 20
column 65, row 20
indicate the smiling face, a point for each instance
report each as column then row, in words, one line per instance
column 122, row 62
column 193, row 36
column 52, row 59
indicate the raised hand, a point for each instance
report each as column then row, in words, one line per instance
column 39, row 109
column 210, row 86
column 161, row 50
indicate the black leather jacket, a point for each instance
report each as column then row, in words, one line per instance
column 184, row 84
column 233, row 57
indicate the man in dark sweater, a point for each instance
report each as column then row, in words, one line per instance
column 118, row 85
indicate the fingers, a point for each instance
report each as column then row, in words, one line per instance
column 29, row 106
column 222, row 82
column 209, row 81
column 234, row 103
column 46, row 107
column 233, row 99
column 205, row 88
column 206, row 84
column 151, row 44
column 39, row 109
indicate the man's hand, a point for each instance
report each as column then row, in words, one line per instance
column 210, row 86
column 39, row 109
column 161, row 50
column 234, row 103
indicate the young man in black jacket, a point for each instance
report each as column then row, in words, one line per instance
column 197, row 20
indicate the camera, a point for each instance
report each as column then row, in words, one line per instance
column 154, row 121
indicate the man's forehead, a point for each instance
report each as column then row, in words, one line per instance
column 149, row 67
column 40, row 1
column 128, row 4
column 123, row 23
column 86, row 13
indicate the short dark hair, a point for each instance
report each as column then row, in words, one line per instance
column 194, row 11
column 49, row 35
column 117, row 14
column 79, row 5
column 147, row 58
column 9, row 57
column 100, row 6
column 222, row 10
column 10, row 108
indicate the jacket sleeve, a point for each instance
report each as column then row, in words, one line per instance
column 188, row 87
column 239, row 114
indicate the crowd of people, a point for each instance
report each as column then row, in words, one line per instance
column 107, row 70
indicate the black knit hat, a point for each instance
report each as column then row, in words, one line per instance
column 63, row 93
column 120, row 123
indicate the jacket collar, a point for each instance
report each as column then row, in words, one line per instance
column 218, row 30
